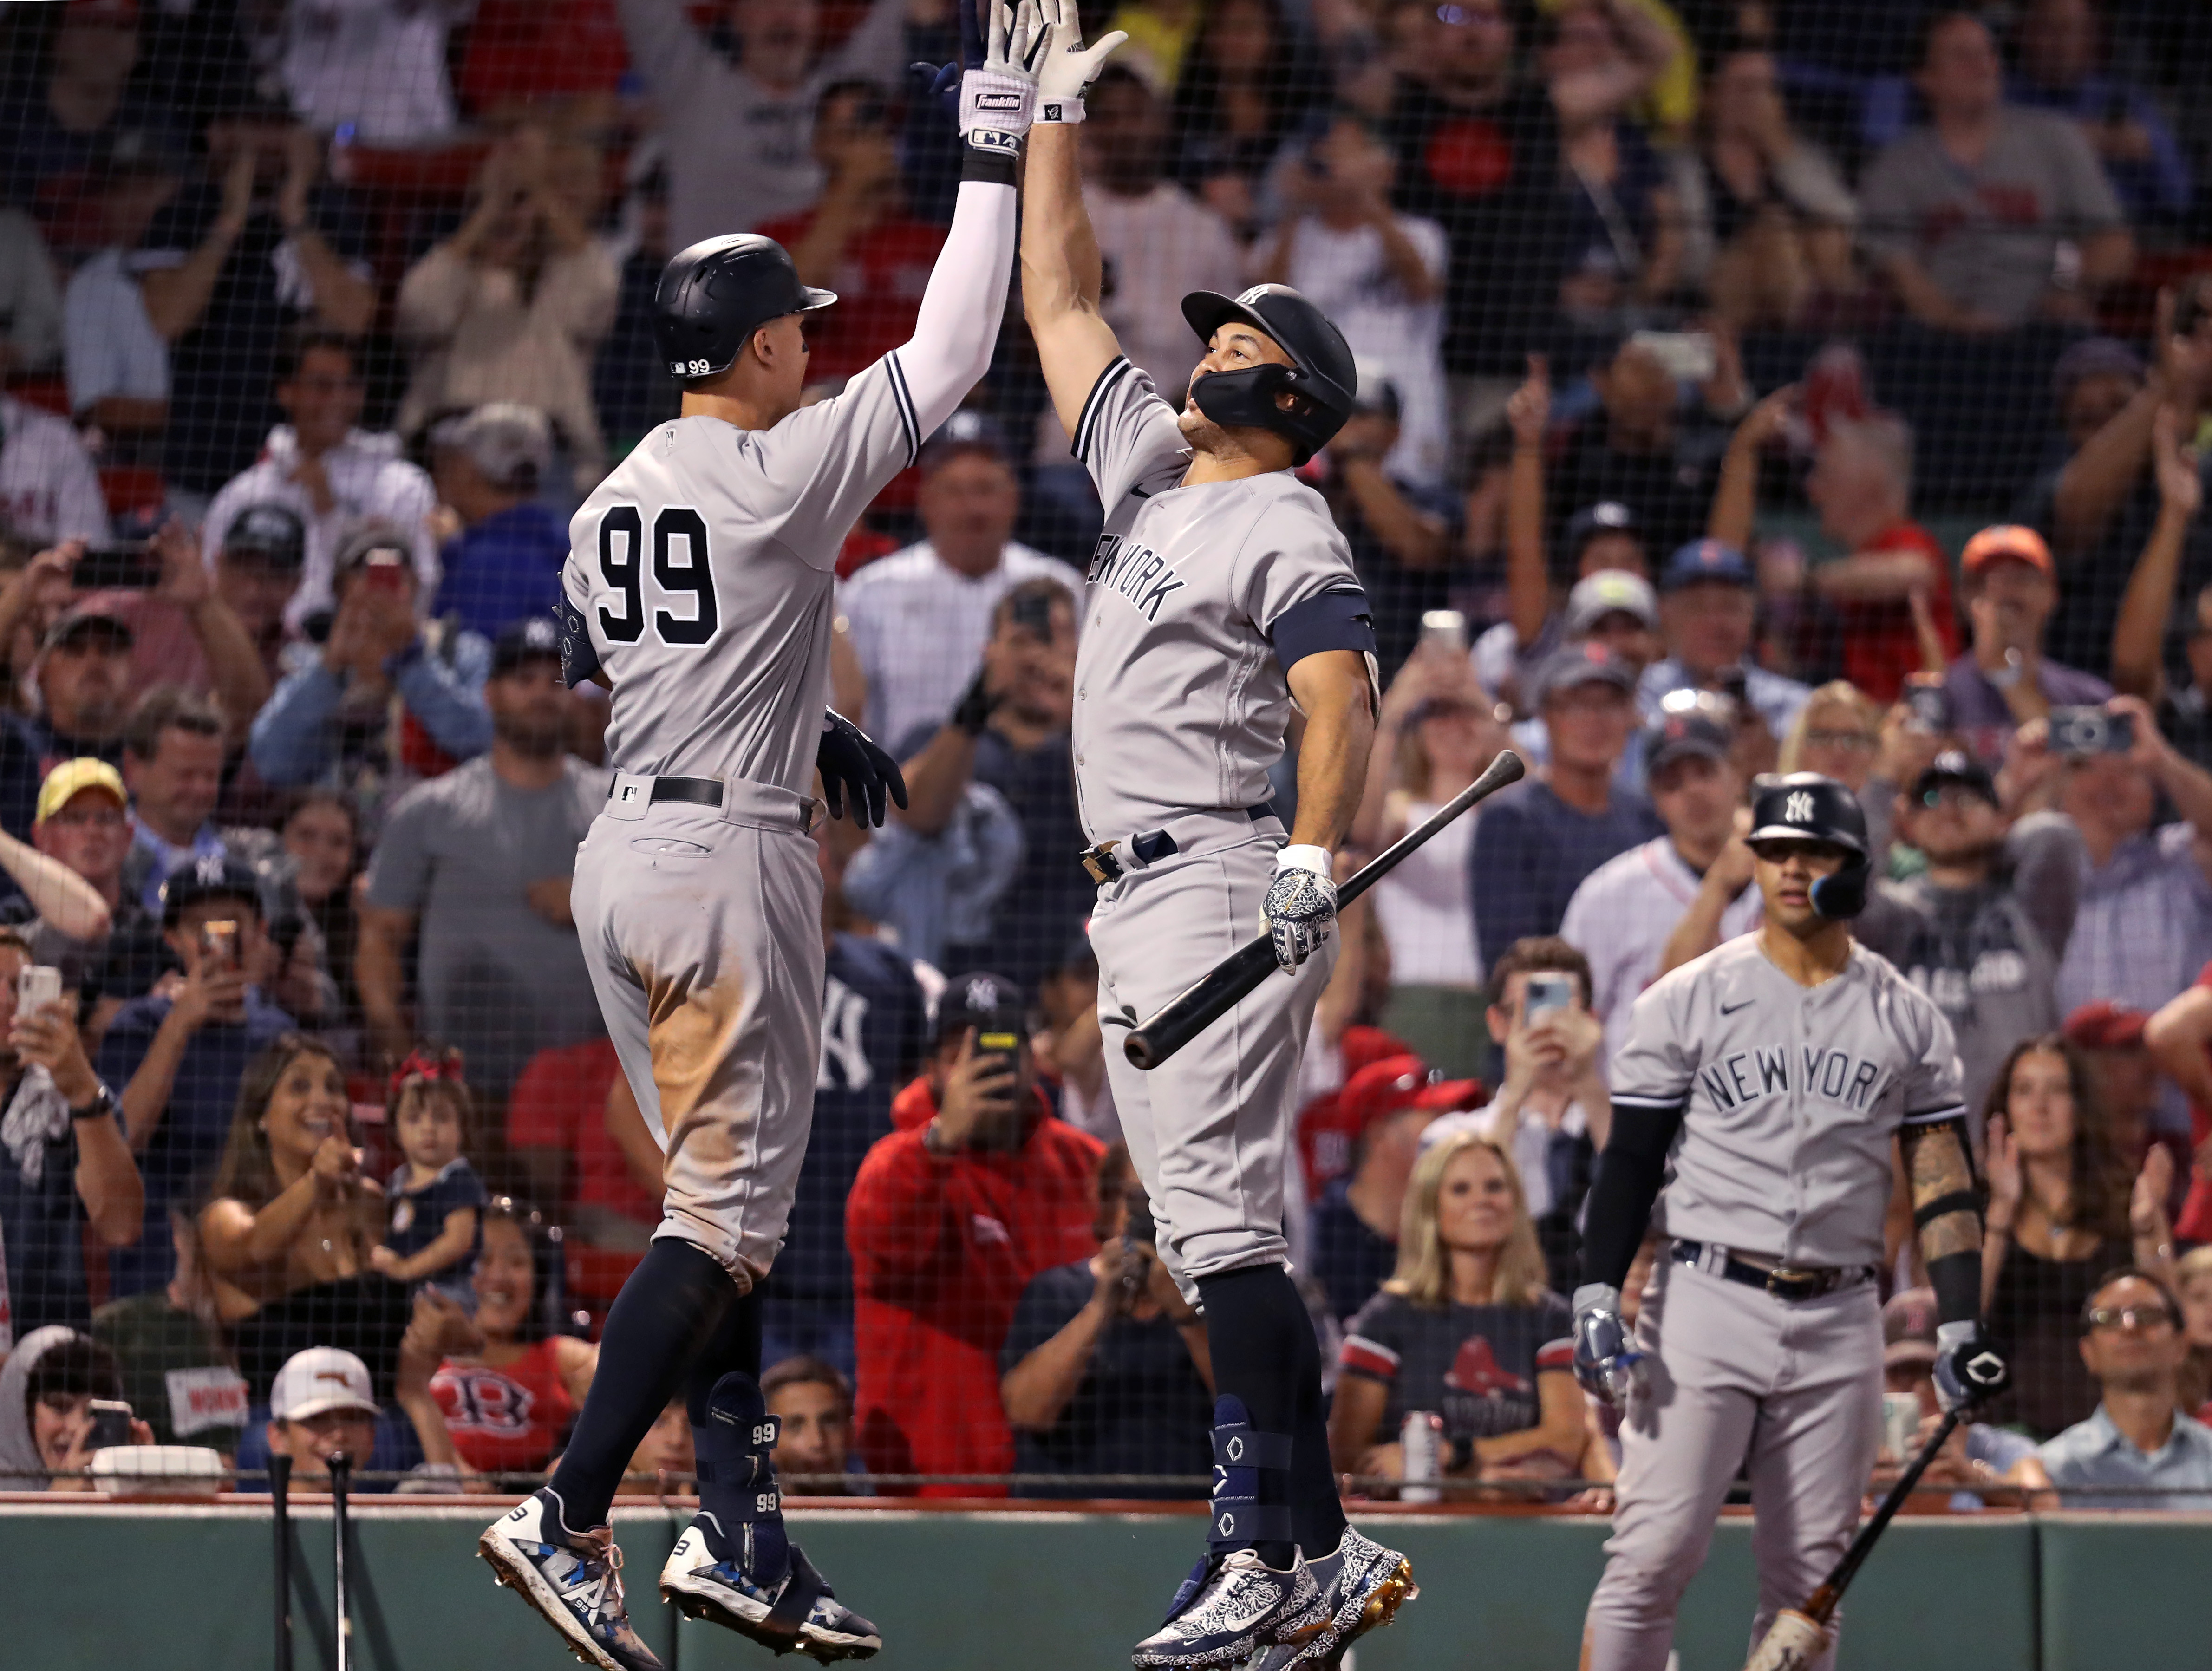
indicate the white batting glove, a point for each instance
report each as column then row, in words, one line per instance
column 999, row 101
column 1069, row 67
column 1301, row 904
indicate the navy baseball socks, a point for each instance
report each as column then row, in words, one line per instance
column 733, row 1565
column 679, row 1322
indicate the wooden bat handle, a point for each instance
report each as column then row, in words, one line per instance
column 1227, row 984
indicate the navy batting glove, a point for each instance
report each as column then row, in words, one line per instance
column 854, row 769
column 1968, row 1367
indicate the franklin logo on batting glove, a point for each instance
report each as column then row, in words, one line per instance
column 1300, row 906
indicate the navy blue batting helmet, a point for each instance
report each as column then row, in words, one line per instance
column 1321, row 374
column 713, row 296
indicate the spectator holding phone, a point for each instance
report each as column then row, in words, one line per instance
column 382, row 700
column 2003, row 680
column 1106, row 1368
column 64, row 1167
column 979, row 1190
column 73, row 908
column 1552, row 1111
column 1982, row 930
column 2144, row 927
column 178, row 1053
column 46, row 1422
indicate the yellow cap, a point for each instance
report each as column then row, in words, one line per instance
column 66, row 779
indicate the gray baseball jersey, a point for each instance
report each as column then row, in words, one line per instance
column 1181, row 694
column 703, row 568
column 1789, row 1095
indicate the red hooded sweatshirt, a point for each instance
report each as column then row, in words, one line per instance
column 942, row 1248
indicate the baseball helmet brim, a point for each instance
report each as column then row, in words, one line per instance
column 1207, row 311
column 1825, row 837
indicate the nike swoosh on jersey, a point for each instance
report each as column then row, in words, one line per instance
column 1730, row 1009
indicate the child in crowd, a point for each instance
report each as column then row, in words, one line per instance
column 436, row 1197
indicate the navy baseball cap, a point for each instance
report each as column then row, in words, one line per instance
column 964, row 432
column 270, row 531
column 974, row 999
column 1608, row 516
column 1955, row 765
column 532, row 640
column 1587, row 663
column 210, row 877
column 1706, row 560
column 1682, row 734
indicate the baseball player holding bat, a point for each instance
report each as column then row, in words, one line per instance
column 1756, row 1103
column 1221, row 594
column 698, row 589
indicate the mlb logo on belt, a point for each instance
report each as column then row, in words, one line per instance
column 630, row 792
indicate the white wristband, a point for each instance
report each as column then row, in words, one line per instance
column 1068, row 111
column 1312, row 858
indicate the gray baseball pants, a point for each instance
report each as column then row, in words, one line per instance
column 702, row 929
column 1210, row 1129
column 1739, row 1381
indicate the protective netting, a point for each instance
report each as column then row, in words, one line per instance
column 1806, row 384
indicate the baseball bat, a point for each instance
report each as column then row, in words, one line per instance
column 280, row 1499
column 1230, row 981
column 341, row 1467
column 1799, row 1636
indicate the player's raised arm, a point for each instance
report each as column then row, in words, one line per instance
column 1060, row 251
column 958, row 324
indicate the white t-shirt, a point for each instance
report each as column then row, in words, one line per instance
column 111, row 346
column 376, row 66
column 1619, row 918
column 49, row 490
column 918, row 626
column 369, row 482
column 1346, row 276
column 1424, row 909
column 1158, row 248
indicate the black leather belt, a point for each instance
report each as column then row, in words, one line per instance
column 1784, row 1282
column 697, row 791
column 1151, row 846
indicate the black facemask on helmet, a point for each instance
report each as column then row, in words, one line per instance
column 1246, row 400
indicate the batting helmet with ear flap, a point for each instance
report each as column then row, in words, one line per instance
column 1321, row 375
column 1805, row 806
column 713, row 296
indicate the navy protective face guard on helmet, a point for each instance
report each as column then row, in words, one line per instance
column 713, row 296
column 1805, row 806
column 1322, row 375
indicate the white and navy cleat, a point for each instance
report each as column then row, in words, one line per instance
column 1232, row 1606
column 574, row 1581
column 796, row 1612
column 1361, row 1585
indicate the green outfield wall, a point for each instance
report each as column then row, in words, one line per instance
column 93, row 1587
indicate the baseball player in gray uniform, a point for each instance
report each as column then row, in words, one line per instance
column 699, row 590
column 1221, row 594
column 1757, row 1101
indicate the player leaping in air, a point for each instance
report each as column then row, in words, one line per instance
column 1233, row 596
column 698, row 588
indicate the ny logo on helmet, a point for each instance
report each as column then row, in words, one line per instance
column 1252, row 296
column 1798, row 808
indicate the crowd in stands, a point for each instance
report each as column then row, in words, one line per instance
column 1743, row 387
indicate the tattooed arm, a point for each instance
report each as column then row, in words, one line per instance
column 1946, row 1214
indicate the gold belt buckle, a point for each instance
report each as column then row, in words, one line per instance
column 1102, row 864
column 1781, row 1277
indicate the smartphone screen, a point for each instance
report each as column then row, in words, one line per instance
column 1446, row 628
column 219, row 943
column 36, row 987
column 1546, row 991
column 111, row 1424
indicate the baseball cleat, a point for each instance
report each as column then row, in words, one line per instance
column 575, row 1582
column 1361, row 1585
column 1230, row 1607
column 796, row 1611
column 734, row 1566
